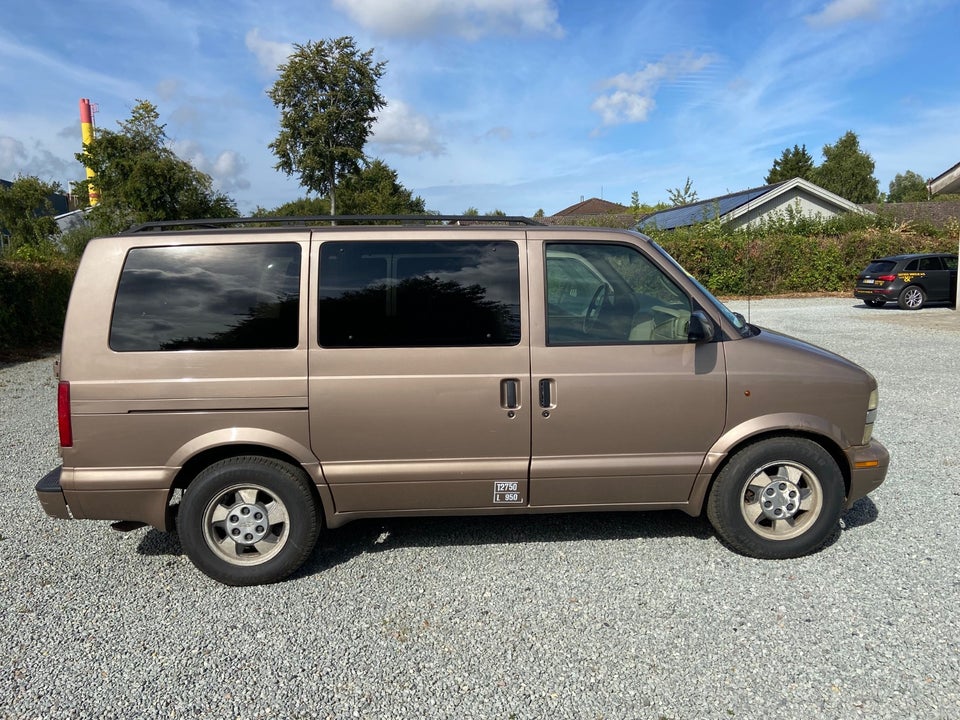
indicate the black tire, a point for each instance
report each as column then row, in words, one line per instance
column 912, row 297
column 875, row 303
column 794, row 478
column 249, row 520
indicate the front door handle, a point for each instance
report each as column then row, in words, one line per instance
column 510, row 394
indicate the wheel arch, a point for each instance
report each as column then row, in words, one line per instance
column 715, row 462
column 191, row 464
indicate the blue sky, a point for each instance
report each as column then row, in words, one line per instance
column 514, row 105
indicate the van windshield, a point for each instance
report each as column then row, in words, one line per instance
column 735, row 319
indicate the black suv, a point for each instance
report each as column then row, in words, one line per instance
column 911, row 280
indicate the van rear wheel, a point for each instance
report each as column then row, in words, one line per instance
column 778, row 498
column 249, row 520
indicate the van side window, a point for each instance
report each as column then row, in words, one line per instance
column 208, row 297
column 419, row 294
column 605, row 294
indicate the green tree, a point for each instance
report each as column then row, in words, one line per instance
column 375, row 190
column 683, row 196
column 26, row 216
column 327, row 96
column 847, row 171
column 791, row 163
column 471, row 212
column 302, row 207
column 639, row 209
column 908, row 187
column 141, row 179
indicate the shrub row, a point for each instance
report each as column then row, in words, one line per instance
column 33, row 303
column 774, row 263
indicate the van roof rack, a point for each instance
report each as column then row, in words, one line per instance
column 304, row 220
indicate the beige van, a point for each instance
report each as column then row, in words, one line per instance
column 250, row 387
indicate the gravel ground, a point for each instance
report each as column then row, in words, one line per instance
column 576, row 616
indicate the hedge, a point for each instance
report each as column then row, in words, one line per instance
column 782, row 263
column 33, row 303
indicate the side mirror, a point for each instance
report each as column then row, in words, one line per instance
column 702, row 330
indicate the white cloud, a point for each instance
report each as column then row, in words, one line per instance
column 841, row 11
column 623, row 107
column 501, row 133
column 226, row 169
column 631, row 99
column 467, row 18
column 401, row 130
column 270, row 54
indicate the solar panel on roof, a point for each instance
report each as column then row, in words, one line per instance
column 702, row 211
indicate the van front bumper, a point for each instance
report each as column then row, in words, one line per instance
column 868, row 469
column 50, row 495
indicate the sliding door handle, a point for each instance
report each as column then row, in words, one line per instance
column 548, row 393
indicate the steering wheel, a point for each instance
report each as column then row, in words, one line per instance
column 593, row 309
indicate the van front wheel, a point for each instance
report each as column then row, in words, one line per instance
column 778, row 498
column 248, row 520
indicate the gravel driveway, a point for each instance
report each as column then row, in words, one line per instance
column 575, row 616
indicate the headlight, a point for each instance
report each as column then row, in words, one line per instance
column 871, row 416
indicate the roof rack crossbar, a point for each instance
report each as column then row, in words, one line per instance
column 296, row 221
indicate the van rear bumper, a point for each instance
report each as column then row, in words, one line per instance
column 149, row 506
column 868, row 469
column 50, row 495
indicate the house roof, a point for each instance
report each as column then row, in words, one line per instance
column 947, row 182
column 730, row 207
column 704, row 210
column 593, row 206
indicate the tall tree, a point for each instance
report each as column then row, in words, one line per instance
column 141, row 179
column 26, row 213
column 327, row 96
column 791, row 163
column 847, row 171
column 908, row 187
column 683, row 196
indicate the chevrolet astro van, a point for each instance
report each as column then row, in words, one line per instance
column 251, row 387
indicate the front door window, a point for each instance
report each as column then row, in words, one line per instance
column 611, row 294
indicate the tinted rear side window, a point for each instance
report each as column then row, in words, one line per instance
column 208, row 297
column 880, row 266
column 419, row 294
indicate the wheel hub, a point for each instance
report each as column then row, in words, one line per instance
column 246, row 523
column 780, row 499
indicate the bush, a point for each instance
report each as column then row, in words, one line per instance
column 33, row 303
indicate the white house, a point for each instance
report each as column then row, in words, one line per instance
column 749, row 207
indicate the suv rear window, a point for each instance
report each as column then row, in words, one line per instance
column 208, row 297
column 419, row 294
column 880, row 266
